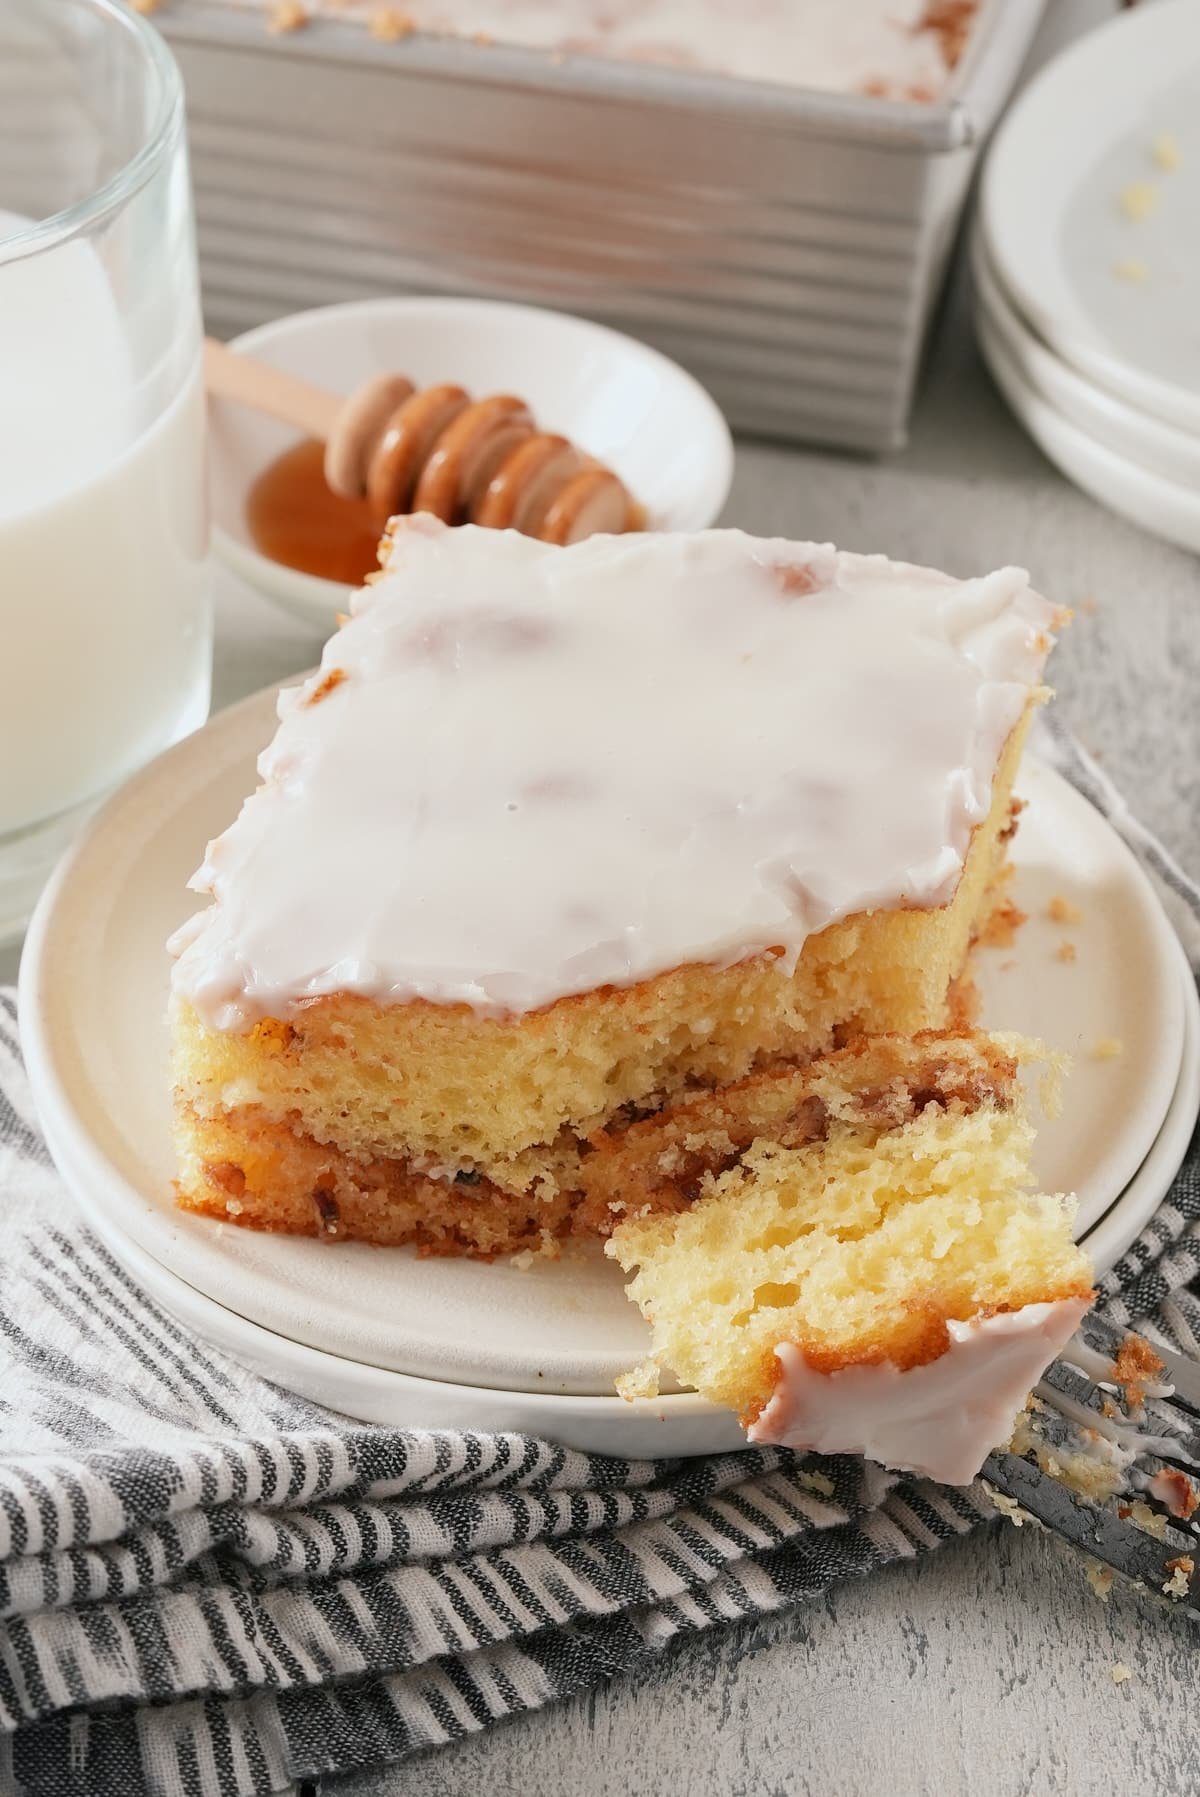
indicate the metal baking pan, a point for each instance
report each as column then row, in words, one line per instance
column 786, row 245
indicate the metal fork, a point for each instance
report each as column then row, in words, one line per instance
column 1114, row 1469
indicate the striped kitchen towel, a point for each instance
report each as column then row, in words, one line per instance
column 208, row 1585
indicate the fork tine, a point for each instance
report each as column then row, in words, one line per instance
column 1101, row 1533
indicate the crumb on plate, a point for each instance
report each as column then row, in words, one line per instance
column 1130, row 269
column 1108, row 1048
column 286, row 15
column 389, row 24
column 1165, row 151
column 1138, row 199
column 1065, row 951
column 639, row 1382
column 1061, row 910
column 1001, row 928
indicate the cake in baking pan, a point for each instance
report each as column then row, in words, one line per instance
column 894, row 49
column 582, row 881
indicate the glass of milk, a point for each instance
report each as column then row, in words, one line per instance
column 105, row 619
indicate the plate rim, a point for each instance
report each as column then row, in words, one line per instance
column 1074, row 339
column 89, row 1167
column 1161, row 508
column 1051, row 377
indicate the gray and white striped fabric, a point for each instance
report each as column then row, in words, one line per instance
column 210, row 1586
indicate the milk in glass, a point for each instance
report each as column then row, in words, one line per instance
column 104, row 620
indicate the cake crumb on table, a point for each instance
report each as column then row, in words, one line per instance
column 1120, row 1673
column 1138, row 199
column 286, row 15
column 1061, row 910
column 1100, row 1578
column 1108, row 1048
column 1165, row 151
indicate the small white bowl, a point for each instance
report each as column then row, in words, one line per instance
column 624, row 403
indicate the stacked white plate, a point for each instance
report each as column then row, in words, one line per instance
column 377, row 1333
column 1087, row 265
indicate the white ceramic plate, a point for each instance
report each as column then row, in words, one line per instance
column 1053, row 222
column 1111, row 1236
column 94, row 982
column 625, row 403
column 1136, row 436
column 1160, row 506
column 676, row 1424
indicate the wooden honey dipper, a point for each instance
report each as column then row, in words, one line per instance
column 406, row 449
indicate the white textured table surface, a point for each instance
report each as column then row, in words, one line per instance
column 985, row 1668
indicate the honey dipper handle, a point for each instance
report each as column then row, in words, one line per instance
column 229, row 375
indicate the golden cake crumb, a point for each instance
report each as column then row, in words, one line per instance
column 389, row 24
column 1138, row 199
column 286, row 15
column 1100, row 1578
column 1120, row 1673
column 145, row 7
column 1144, row 1518
column 1007, row 1506
column 1130, row 269
column 1061, row 910
column 639, row 1382
column 1181, row 1569
column 1136, row 1366
column 1108, row 1048
column 1001, row 928
column 1065, row 951
column 1165, row 151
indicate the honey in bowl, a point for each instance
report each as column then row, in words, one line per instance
column 295, row 519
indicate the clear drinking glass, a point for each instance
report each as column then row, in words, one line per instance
column 105, row 618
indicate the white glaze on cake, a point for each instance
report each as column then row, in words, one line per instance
column 843, row 46
column 942, row 1419
column 544, row 770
